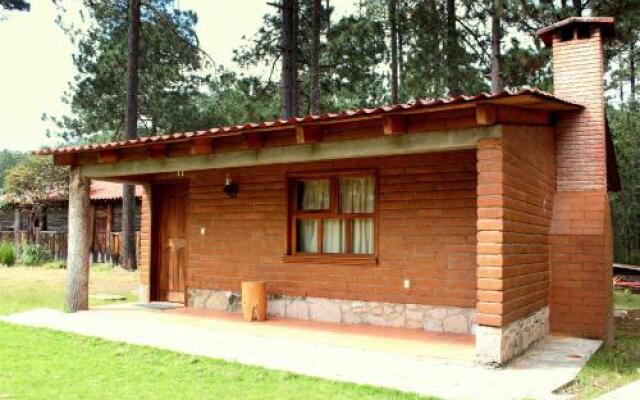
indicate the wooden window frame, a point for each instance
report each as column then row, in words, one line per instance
column 293, row 215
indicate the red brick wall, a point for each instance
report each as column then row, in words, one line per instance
column 516, row 185
column 582, row 256
column 427, row 233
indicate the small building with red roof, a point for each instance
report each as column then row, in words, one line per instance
column 485, row 215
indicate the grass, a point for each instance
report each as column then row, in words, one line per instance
column 45, row 364
column 25, row 288
column 40, row 363
column 609, row 368
column 626, row 300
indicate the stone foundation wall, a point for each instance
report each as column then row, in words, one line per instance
column 497, row 346
column 628, row 322
column 410, row 316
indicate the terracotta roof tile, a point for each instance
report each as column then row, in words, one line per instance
column 291, row 122
column 102, row 190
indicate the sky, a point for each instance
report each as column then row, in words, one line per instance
column 36, row 63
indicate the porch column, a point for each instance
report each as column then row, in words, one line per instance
column 516, row 186
column 79, row 242
column 144, row 269
column 16, row 225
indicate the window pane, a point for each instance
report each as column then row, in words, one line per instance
column 313, row 195
column 307, row 240
column 333, row 236
column 362, row 235
column 357, row 194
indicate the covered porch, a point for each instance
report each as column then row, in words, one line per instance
column 446, row 231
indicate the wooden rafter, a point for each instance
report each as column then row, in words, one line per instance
column 394, row 124
column 308, row 134
column 108, row 156
column 201, row 146
column 254, row 140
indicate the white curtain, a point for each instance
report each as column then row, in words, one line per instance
column 307, row 236
column 314, row 194
column 357, row 194
column 362, row 235
column 333, row 236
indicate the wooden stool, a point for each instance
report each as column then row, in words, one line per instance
column 254, row 301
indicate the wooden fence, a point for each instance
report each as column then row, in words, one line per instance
column 56, row 242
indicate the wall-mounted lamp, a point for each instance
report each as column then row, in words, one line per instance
column 230, row 187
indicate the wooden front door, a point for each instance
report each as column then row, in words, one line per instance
column 170, row 226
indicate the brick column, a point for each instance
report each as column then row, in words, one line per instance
column 516, row 185
column 144, row 268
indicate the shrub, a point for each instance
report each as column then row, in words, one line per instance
column 35, row 254
column 7, row 254
column 55, row 265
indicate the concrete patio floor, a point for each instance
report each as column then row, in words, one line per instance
column 415, row 361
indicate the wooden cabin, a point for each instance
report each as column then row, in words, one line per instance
column 47, row 222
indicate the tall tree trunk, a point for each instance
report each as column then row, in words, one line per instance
column 314, row 104
column 496, row 36
column 79, row 242
column 289, row 44
column 128, row 236
column 393, row 24
column 632, row 70
column 577, row 8
column 400, row 12
column 452, row 55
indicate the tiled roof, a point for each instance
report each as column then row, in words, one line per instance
column 292, row 122
column 102, row 190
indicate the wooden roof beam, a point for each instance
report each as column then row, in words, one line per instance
column 108, row 157
column 486, row 114
column 308, row 134
column 158, row 150
column 201, row 146
column 490, row 114
column 64, row 159
column 394, row 124
column 254, row 140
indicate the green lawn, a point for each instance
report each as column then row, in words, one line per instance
column 608, row 369
column 39, row 363
column 626, row 300
column 613, row 366
column 45, row 364
column 25, row 288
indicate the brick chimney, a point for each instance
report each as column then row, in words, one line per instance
column 580, row 239
column 578, row 76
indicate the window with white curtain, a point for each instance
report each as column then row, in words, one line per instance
column 334, row 214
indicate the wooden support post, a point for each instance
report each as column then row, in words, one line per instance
column 109, row 229
column 77, row 297
column 92, row 229
column 16, row 226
